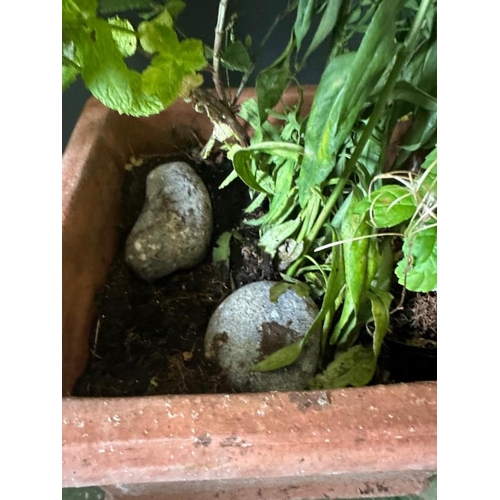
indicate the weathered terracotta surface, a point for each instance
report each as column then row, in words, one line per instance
column 375, row 441
column 354, row 441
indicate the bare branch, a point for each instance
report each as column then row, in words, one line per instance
column 219, row 33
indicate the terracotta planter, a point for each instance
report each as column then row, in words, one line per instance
column 368, row 442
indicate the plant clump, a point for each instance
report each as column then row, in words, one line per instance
column 345, row 210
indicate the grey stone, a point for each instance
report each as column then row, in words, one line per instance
column 174, row 228
column 247, row 327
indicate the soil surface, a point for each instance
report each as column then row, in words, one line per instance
column 148, row 338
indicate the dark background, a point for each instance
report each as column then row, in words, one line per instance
column 198, row 21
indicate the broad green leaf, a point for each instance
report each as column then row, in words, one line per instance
column 344, row 87
column 222, row 251
column 69, row 74
column 381, row 304
column 303, row 20
column 354, row 367
column 236, row 57
column 318, row 160
column 284, row 357
column 106, row 75
column 270, row 85
column 325, row 27
column 242, row 162
column 419, row 263
column 390, row 205
column 126, row 91
column 126, row 42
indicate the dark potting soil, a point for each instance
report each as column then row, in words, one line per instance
column 148, row 338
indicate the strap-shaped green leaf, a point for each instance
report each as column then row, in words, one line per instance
column 343, row 90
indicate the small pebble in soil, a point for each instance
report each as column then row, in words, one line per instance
column 247, row 327
column 174, row 228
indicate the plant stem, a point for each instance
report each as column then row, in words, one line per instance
column 378, row 109
column 222, row 113
column 219, row 33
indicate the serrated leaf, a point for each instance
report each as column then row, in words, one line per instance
column 106, row 75
column 354, row 367
column 236, row 57
column 419, row 263
column 189, row 83
column 126, row 42
column 69, row 74
column 346, row 83
column 158, row 34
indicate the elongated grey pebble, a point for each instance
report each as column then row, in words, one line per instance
column 174, row 228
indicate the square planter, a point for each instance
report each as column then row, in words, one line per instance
column 350, row 443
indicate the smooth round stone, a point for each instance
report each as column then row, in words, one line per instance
column 247, row 327
column 174, row 228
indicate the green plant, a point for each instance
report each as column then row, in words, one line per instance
column 335, row 199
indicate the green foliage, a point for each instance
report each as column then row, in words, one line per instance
column 412, row 206
column 332, row 192
column 338, row 195
column 346, row 83
column 354, row 367
column 99, row 48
